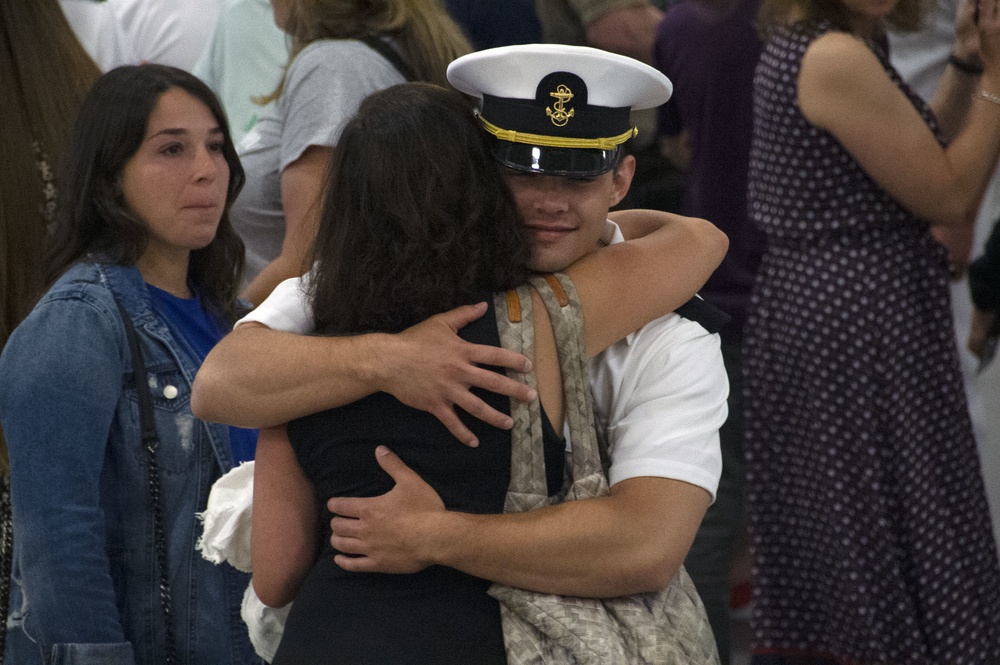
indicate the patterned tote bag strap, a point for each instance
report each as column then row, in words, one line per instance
column 516, row 326
column 528, row 488
column 566, row 314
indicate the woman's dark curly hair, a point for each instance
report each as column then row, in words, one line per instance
column 94, row 222
column 417, row 218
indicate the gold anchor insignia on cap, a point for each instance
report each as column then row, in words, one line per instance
column 560, row 116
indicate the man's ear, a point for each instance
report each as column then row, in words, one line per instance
column 622, row 179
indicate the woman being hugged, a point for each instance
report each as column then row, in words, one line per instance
column 341, row 52
column 105, row 563
column 870, row 526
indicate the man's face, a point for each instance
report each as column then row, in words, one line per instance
column 566, row 216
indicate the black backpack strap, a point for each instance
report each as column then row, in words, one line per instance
column 383, row 48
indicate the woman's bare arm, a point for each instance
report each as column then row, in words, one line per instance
column 844, row 89
column 284, row 537
column 955, row 89
column 301, row 191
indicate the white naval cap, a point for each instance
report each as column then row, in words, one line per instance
column 557, row 109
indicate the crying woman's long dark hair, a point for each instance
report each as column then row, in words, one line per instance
column 417, row 218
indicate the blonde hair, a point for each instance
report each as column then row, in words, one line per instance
column 906, row 16
column 46, row 74
column 422, row 31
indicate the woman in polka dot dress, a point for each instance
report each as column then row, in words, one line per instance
column 870, row 527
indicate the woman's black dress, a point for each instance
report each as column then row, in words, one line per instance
column 439, row 615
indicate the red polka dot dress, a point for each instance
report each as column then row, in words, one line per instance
column 868, row 516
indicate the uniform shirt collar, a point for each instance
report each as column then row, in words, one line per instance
column 612, row 234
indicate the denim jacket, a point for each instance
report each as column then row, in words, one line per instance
column 85, row 582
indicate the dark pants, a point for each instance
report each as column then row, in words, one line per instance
column 710, row 560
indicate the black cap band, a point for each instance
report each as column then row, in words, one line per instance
column 578, row 162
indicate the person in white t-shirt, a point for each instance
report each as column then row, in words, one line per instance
column 95, row 26
column 131, row 32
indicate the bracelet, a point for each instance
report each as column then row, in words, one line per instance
column 964, row 66
column 990, row 97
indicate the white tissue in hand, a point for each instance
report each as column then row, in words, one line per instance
column 226, row 535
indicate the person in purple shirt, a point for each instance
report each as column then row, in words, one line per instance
column 709, row 50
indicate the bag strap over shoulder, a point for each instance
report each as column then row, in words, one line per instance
column 516, row 326
column 517, row 333
column 386, row 50
column 150, row 443
column 566, row 314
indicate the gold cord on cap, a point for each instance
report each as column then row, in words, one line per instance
column 609, row 143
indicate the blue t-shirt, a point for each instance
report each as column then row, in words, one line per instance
column 202, row 331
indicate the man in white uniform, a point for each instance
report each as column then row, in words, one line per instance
column 660, row 395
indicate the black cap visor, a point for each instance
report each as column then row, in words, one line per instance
column 576, row 162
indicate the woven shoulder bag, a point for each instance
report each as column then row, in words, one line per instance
column 668, row 627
